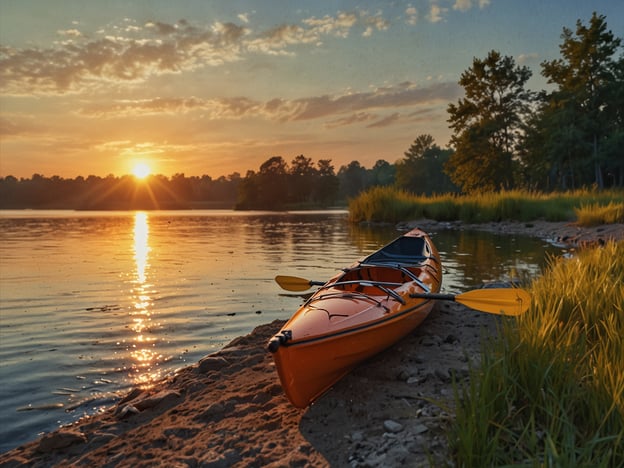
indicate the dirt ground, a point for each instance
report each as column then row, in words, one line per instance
column 229, row 409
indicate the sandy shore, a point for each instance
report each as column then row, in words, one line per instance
column 229, row 410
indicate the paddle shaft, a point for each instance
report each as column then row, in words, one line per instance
column 437, row 296
column 504, row 301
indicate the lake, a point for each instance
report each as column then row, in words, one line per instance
column 95, row 303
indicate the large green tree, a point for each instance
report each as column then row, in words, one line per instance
column 421, row 171
column 583, row 114
column 487, row 124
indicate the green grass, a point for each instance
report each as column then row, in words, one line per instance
column 388, row 204
column 550, row 387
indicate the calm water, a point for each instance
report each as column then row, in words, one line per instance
column 94, row 303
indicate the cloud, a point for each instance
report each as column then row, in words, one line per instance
column 131, row 53
column 386, row 121
column 436, row 13
column 338, row 26
column 157, row 48
column 343, row 110
column 523, row 59
column 462, row 5
column 465, row 5
column 358, row 117
column 411, row 14
column 401, row 95
column 69, row 32
column 372, row 23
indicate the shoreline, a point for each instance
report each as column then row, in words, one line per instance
column 228, row 409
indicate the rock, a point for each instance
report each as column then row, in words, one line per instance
column 392, row 426
column 213, row 413
column 59, row 440
column 101, row 438
column 212, row 363
column 156, row 399
column 126, row 411
column 419, row 429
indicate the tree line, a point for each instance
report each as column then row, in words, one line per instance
column 504, row 137
column 276, row 185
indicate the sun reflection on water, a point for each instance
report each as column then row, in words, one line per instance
column 143, row 354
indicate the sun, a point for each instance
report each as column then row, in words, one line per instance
column 141, row 170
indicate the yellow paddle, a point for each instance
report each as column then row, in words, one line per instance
column 501, row 301
column 293, row 283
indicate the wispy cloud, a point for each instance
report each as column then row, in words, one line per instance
column 386, row 121
column 342, row 109
column 131, row 53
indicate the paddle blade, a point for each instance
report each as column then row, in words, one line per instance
column 503, row 301
column 293, row 283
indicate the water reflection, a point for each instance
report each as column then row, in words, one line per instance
column 143, row 354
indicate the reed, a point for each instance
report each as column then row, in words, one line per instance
column 596, row 214
column 550, row 387
column 388, row 204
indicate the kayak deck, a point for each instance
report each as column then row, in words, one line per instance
column 356, row 314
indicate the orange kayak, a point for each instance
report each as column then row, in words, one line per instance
column 358, row 313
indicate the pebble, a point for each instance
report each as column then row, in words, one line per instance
column 420, row 428
column 392, row 426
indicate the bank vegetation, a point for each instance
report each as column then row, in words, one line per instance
column 549, row 390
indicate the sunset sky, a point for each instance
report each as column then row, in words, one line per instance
column 213, row 87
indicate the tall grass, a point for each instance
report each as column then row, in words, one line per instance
column 550, row 387
column 596, row 214
column 389, row 204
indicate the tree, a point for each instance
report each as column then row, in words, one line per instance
column 487, row 124
column 302, row 175
column 587, row 104
column 248, row 191
column 421, row 171
column 383, row 173
column 328, row 185
column 352, row 179
column 273, row 183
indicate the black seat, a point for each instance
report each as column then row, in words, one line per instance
column 408, row 250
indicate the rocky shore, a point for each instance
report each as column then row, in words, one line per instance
column 229, row 410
